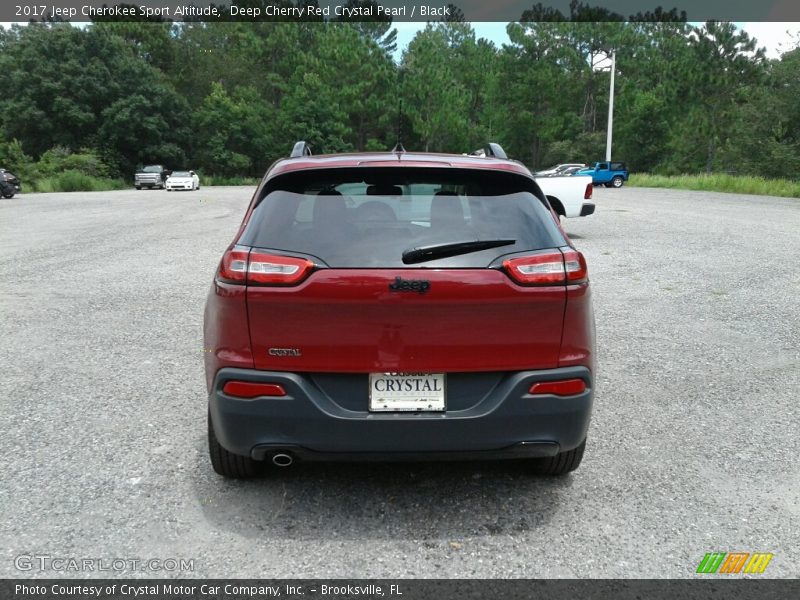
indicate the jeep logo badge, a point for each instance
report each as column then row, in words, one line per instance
column 409, row 285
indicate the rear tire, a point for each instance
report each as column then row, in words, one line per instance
column 138, row 187
column 560, row 464
column 227, row 463
column 617, row 181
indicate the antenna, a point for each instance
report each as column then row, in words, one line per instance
column 398, row 147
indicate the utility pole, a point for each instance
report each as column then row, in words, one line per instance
column 611, row 106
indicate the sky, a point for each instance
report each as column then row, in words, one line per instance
column 775, row 37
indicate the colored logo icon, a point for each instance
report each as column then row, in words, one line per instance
column 734, row 562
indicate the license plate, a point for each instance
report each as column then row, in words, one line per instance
column 406, row 392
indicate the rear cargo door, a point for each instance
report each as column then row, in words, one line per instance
column 352, row 320
column 402, row 271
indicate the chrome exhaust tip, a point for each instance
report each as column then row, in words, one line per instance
column 282, row 460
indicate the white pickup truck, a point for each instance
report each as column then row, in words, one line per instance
column 569, row 196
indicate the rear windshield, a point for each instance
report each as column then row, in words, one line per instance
column 368, row 218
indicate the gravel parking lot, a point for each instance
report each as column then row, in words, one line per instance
column 693, row 445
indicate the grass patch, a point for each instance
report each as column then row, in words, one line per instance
column 720, row 182
column 211, row 180
column 75, row 181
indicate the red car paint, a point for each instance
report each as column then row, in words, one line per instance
column 349, row 321
column 346, row 320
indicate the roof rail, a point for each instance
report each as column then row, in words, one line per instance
column 301, row 148
column 491, row 149
column 496, row 150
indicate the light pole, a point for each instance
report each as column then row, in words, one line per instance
column 611, row 107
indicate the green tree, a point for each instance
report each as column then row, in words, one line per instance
column 541, row 99
column 651, row 90
column 97, row 95
column 765, row 135
column 378, row 27
column 150, row 41
column 149, row 126
column 361, row 81
column 725, row 62
column 436, row 103
column 235, row 132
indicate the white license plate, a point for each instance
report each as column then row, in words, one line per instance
column 406, row 392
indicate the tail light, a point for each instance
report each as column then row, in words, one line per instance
column 268, row 269
column 575, row 266
column 259, row 268
column 548, row 268
column 249, row 389
column 234, row 266
column 587, row 195
column 565, row 387
column 539, row 269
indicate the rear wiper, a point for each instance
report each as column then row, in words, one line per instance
column 425, row 253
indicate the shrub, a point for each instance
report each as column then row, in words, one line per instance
column 13, row 158
column 75, row 181
column 60, row 159
column 209, row 180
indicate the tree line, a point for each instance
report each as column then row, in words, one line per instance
column 229, row 98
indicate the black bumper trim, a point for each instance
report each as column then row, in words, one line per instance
column 516, row 451
column 587, row 209
column 308, row 418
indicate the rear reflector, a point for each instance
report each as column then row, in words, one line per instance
column 249, row 389
column 548, row 268
column 566, row 387
column 240, row 265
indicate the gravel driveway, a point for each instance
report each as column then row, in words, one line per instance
column 693, row 447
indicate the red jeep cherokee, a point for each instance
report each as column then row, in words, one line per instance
column 399, row 306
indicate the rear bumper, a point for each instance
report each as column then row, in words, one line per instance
column 506, row 423
column 587, row 209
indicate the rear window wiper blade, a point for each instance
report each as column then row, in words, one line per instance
column 435, row 251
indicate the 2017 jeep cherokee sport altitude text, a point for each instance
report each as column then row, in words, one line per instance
column 399, row 306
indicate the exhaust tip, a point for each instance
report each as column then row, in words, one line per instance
column 282, row 460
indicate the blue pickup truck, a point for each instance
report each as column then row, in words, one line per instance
column 612, row 174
